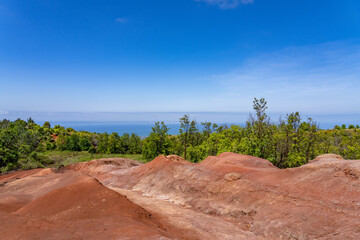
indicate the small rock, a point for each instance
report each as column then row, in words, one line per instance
column 232, row 176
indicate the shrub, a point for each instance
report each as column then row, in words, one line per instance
column 92, row 150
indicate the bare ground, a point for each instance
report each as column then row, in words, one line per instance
column 231, row 196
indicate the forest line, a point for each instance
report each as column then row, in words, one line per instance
column 290, row 142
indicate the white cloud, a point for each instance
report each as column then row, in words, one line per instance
column 226, row 4
column 121, row 20
column 3, row 112
column 322, row 78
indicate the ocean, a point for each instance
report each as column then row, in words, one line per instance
column 141, row 129
column 141, row 123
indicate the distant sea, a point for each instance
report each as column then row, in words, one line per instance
column 141, row 129
column 141, row 122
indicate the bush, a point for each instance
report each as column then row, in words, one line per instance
column 196, row 154
column 40, row 158
column 149, row 149
column 8, row 158
column 50, row 145
column 92, row 150
column 84, row 144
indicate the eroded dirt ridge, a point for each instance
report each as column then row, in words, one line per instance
column 230, row 196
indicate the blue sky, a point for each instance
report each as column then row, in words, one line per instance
column 179, row 55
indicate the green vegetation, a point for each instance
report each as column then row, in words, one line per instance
column 26, row 145
column 157, row 142
column 291, row 142
column 69, row 157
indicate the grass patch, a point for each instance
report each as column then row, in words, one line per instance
column 68, row 157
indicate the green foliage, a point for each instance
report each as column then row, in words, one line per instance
column 84, row 143
column 197, row 153
column 259, row 129
column 23, row 142
column 291, row 142
column 69, row 157
column 92, row 150
column 47, row 125
column 188, row 132
column 157, row 142
column 72, row 143
column 103, row 143
column 50, row 145
column 135, row 145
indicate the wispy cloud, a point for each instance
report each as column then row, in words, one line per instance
column 317, row 78
column 226, row 4
column 3, row 112
column 121, row 20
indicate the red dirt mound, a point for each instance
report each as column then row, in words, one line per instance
column 232, row 162
column 104, row 169
column 73, row 206
column 99, row 166
column 162, row 161
column 18, row 175
column 326, row 158
column 23, row 187
column 86, row 198
column 166, row 163
column 320, row 200
column 231, row 196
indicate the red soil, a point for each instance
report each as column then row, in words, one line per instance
column 72, row 205
column 318, row 200
column 230, row 196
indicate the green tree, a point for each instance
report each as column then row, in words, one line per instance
column 47, row 125
column 8, row 149
column 259, row 130
column 113, row 144
column 84, row 143
column 103, row 143
column 157, row 142
column 72, row 143
column 207, row 130
column 134, row 144
column 187, row 132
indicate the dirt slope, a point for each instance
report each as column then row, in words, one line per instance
column 320, row 200
column 72, row 205
column 230, row 196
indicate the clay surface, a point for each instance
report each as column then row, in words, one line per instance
column 230, row 196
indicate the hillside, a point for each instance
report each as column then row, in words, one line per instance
column 231, row 196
